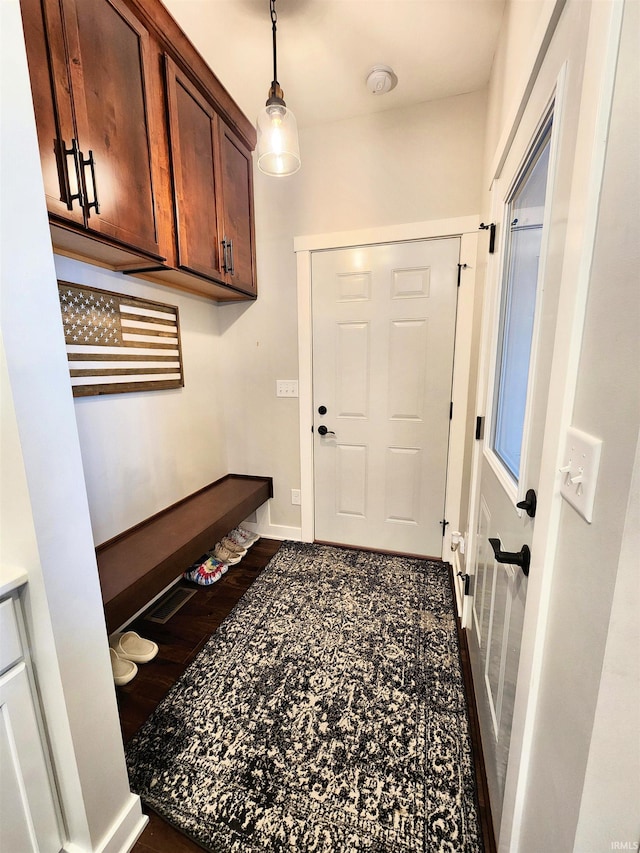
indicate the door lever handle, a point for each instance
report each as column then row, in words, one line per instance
column 322, row 430
column 520, row 558
column 529, row 503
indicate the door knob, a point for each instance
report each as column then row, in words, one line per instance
column 520, row 558
column 529, row 503
column 324, row 431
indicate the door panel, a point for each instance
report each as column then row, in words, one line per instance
column 498, row 608
column 403, row 484
column 408, row 341
column 384, row 323
column 352, row 360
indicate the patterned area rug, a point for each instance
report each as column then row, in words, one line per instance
column 326, row 715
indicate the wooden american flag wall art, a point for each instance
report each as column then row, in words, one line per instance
column 119, row 343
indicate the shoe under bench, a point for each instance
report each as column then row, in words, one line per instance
column 138, row 564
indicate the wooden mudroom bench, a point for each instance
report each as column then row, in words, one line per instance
column 136, row 565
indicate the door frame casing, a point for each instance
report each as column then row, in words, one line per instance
column 465, row 228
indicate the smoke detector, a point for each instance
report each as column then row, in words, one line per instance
column 381, row 79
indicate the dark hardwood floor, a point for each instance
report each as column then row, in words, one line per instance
column 180, row 640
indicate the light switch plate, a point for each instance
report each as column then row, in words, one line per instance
column 579, row 471
column 286, row 387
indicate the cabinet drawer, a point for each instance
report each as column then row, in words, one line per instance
column 10, row 646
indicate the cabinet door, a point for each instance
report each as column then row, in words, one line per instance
column 51, row 90
column 237, row 193
column 27, row 812
column 193, row 127
column 108, row 52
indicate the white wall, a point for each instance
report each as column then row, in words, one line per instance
column 143, row 451
column 407, row 165
column 50, row 532
column 397, row 167
column 609, row 808
column 511, row 66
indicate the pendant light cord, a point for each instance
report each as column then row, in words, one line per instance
column 274, row 18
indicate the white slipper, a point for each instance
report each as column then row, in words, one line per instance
column 131, row 646
column 123, row 670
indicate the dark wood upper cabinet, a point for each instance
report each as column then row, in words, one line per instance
column 89, row 67
column 51, row 89
column 193, row 131
column 109, row 60
column 213, row 187
column 238, row 229
column 146, row 158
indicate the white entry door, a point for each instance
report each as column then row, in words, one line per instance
column 510, row 463
column 383, row 341
column 530, row 199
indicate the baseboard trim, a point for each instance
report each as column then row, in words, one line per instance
column 264, row 526
column 126, row 829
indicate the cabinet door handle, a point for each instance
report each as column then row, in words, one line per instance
column 227, row 256
column 74, row 152
column 91, row 163
column 231, row 269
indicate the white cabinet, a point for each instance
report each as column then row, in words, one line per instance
column 28, row 820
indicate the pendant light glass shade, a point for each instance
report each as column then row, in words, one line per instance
column 278, row 149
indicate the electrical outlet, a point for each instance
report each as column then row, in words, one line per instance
column 286, row 387
column 295, row 497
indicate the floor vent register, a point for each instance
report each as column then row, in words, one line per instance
column 169, row 604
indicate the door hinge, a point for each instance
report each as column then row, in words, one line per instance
column 451, row 410
column 460, row 268
column 491, row 228
column 444, row 523
column 479, row 428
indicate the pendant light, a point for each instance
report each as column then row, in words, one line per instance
column 278, row 149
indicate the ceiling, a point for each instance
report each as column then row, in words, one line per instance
column 437, row 48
